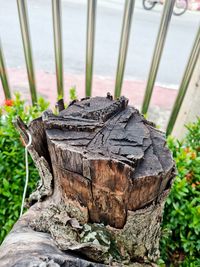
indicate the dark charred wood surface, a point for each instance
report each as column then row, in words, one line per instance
column 107, row 157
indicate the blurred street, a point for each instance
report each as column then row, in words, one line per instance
column 108, row 28
column 145, row 25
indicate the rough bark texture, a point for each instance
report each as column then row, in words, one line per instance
column 105, row 173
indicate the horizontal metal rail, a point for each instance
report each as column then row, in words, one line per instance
column 23, row 18
column 57, row 29
column 125, row 34
column 91, row 21
column 3, row 75
column 194, row 55
column 162, row 33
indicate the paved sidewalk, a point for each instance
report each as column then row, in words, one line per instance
column 161, row 103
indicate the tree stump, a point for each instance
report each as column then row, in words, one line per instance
column 105, row 174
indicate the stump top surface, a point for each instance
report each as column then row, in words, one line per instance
column 101, row 127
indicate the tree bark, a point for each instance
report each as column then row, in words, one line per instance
column 105, row 174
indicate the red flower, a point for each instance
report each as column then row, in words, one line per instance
column 9, row 102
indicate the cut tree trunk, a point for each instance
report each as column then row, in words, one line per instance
column 105, row 174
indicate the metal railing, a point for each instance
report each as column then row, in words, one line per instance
column 125, row 34
column 162, row 33
column 57, row 29
column 3, row 74
column 24, row 25
column 90, row 43
column 194, row 55
column 91, row 21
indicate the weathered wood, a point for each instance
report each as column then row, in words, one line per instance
column 25, row 247
column 106, row 172
column 115, row 150
column 40, row 155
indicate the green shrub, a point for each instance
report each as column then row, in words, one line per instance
column 180, row 242
column 12, row 166
column 72, row 93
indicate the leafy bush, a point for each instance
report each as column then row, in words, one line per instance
column 180, row 242
column 12, row 166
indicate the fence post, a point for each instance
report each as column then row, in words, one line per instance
column 3, row 74
column 125, row 34
column 194, row 55
column 91, row 21
column 162, row 33
column 57, row 30
column 23, row 18
column 190, row 108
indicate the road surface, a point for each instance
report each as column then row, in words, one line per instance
column 108, row 27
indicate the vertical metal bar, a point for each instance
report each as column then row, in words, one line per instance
column 91, row 21
column 3, row 74
column 23, row 18
column 194, row 55
column 125, row 33
column 57, row 29
column 162, row 33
